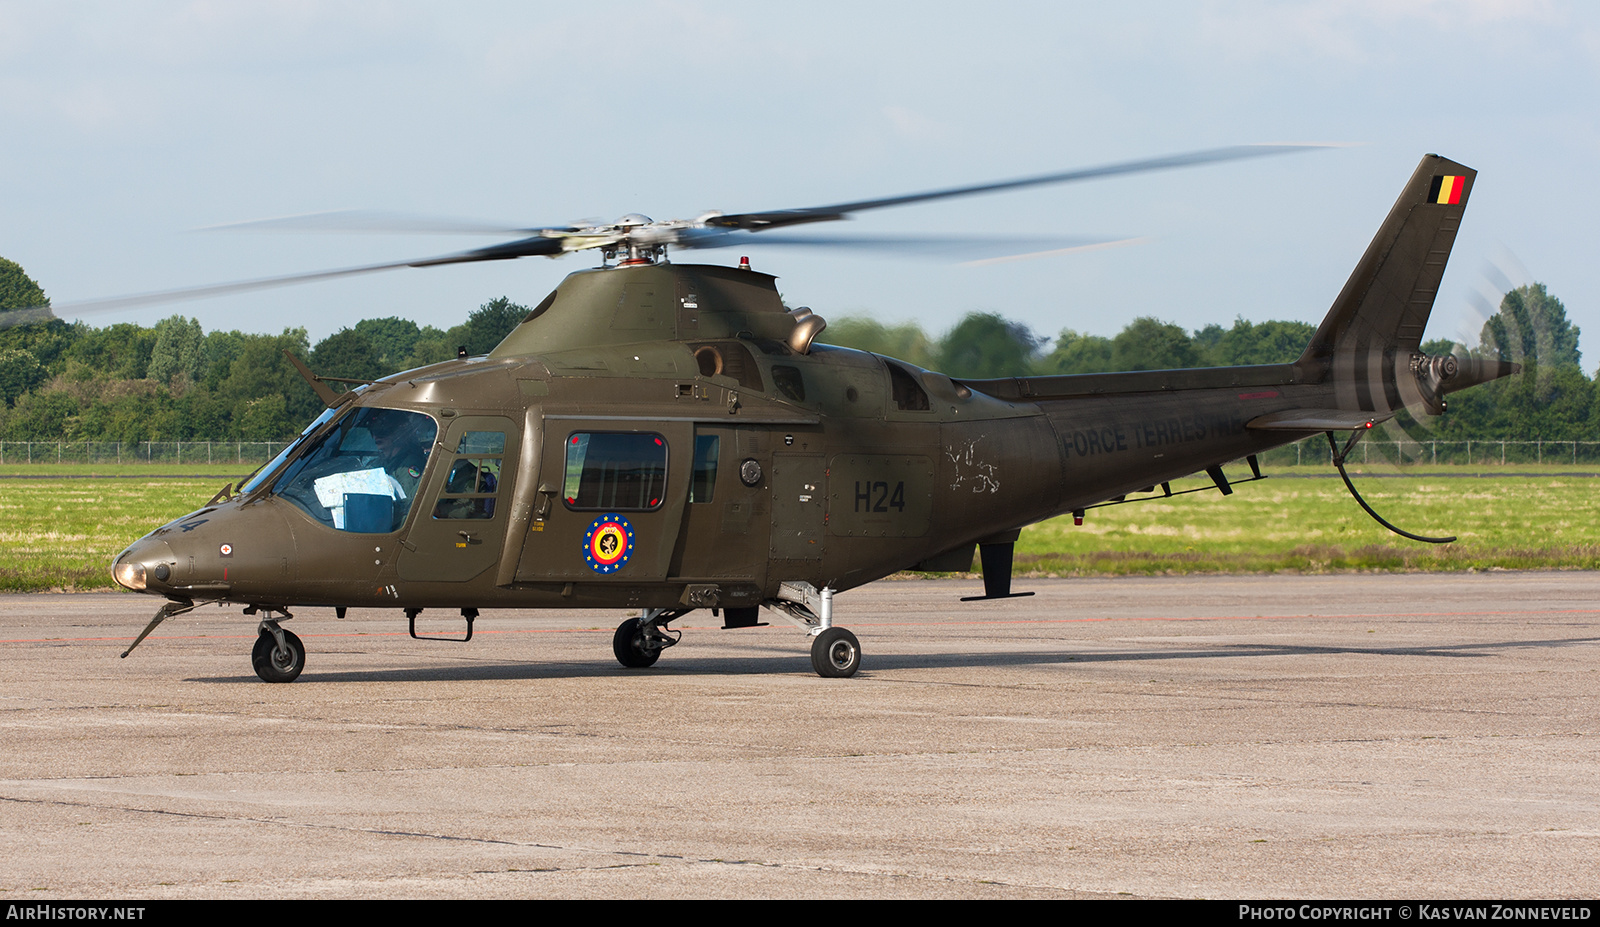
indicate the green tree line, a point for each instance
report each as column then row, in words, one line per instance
column 1552, row 399
column 985, row 345
column 175, row 382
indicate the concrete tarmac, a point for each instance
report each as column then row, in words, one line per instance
column 1419, row 736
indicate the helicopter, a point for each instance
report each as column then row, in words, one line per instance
column 666, row 438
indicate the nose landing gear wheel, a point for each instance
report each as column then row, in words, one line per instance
column 835, row 653
column 629, row 646
column 278, row 665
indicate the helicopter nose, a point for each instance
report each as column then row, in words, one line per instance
column 146, row 566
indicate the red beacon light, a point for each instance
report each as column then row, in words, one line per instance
column 744, row 263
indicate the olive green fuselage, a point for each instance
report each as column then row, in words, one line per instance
column 819, row 464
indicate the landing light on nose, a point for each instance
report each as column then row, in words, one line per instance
column 129, row 575
column 135, row 575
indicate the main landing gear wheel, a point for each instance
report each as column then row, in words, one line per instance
column 835, row 653
column 629, row 646
column 275, row 664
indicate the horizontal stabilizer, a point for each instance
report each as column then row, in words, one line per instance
column 1318, row 420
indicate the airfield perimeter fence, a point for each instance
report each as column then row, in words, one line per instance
column 231, row 453
column 1307, row 452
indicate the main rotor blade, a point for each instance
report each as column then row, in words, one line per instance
column 512, row 249
column 366, row 220
column 113, row 303
column 756, row 221
column 968, row 249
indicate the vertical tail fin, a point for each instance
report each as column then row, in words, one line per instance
column 1370, row 342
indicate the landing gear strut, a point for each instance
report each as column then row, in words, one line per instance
column 278, row 655
column 639, row 641
column 835, row 652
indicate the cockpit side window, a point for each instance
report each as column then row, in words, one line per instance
column 473, row 481
column 361, row 475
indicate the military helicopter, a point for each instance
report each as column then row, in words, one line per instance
column 667, row 437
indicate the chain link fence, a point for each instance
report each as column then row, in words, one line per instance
column 231, row 453
column 1478, row 453
column 1307, row 452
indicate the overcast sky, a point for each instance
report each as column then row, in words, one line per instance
column 128, row 125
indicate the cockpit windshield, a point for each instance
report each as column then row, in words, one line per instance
column 272, row 466
column 361, row 475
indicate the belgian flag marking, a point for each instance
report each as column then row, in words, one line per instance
column 1446, row 189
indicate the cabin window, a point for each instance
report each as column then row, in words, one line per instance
column 619, row 471
column 361, row 475
column 473, row 480
column 706, row 448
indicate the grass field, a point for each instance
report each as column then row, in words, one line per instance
column 62, row 533
column 1521, row 520
column 60, row 526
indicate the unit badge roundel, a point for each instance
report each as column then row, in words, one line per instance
column 608, row 543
